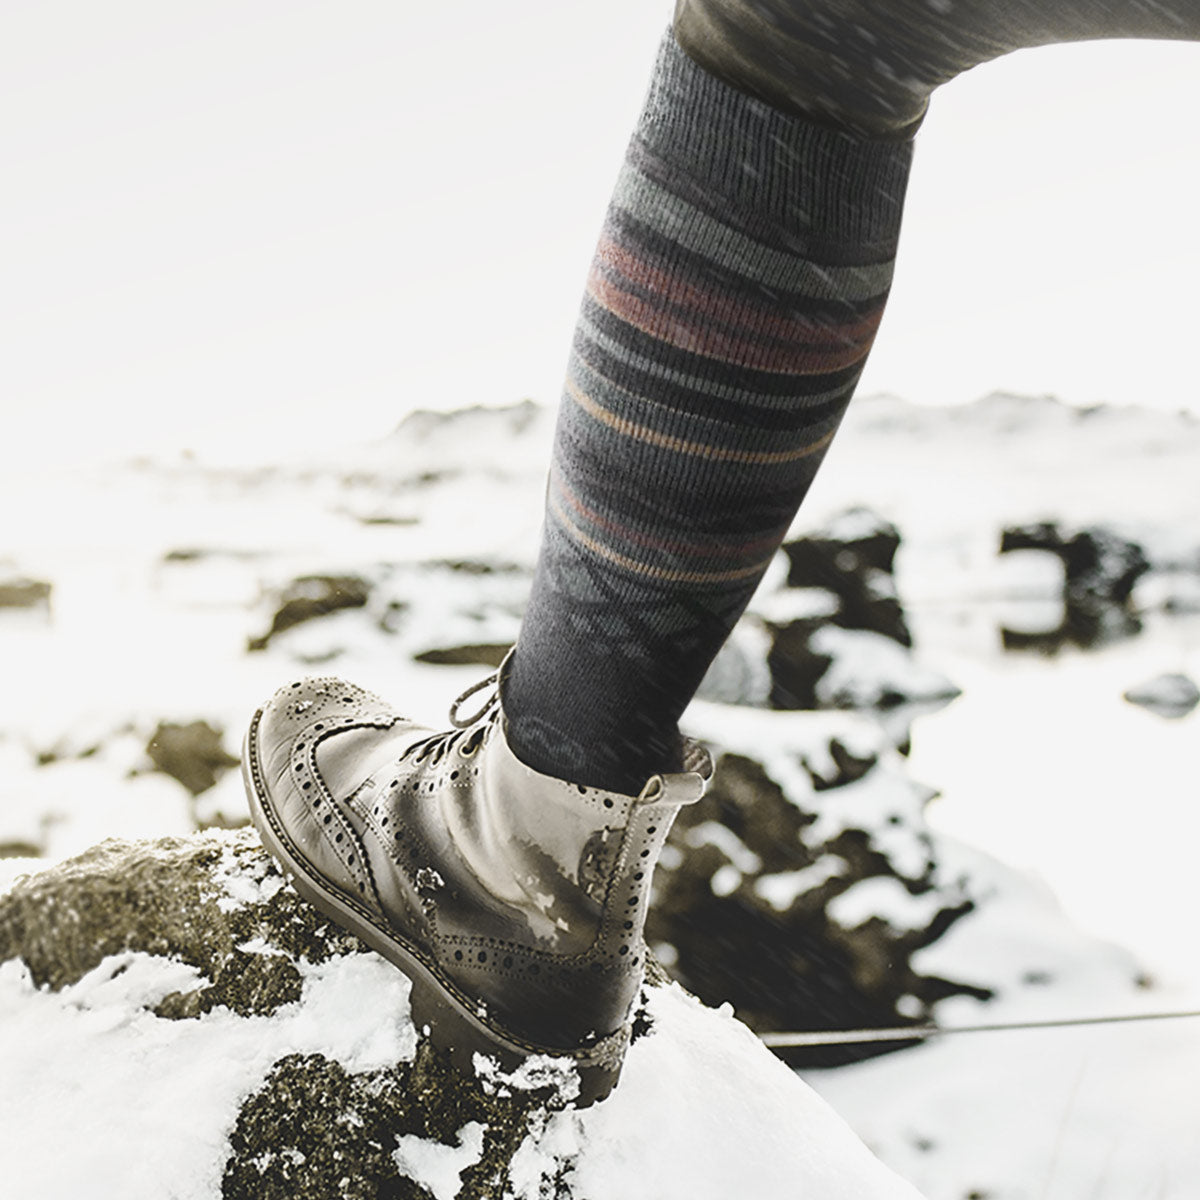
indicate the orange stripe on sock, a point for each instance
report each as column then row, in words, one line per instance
column 665, row 441
column 766, row 543
column 664, row 575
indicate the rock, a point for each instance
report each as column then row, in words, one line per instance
column 484, row 654
column 204, row 901
column 1170, row 695
column 804, row 910
column 836, row 634
column 200, row 554
column 868, row 670
column 19, row 849
column 375, row 517
column 191, row 753
column 479, row 566
column 1099, row 565
column 312, row 596
column 1100, row 569
column 854, row 558
column 818, row 665
column 1087, row 624
column 201, row 1031
column 20, row 592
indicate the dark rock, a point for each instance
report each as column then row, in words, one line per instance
column 814, row 664
column 20, row 849
column 475, row 566
column 278, row 1150
column 1099, row 565
column 194, row 554
column 486, row 654
column 1085, row 624
column 795, row 667
column 855, row 560
column 403, row 520
column 191, row 753
column 313, row 596
column 743, row 926
column 1100, row 571
column 852, row 562
column 19, row 592
column 848, row 767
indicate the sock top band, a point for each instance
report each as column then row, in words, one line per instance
column 805, row 178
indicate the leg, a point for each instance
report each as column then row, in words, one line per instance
column 740, row 278
column 870, row 65
column 505, row 866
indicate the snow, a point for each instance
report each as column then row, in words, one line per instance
column 868, row 667
column 781, row 890
column 436, row 1167
column 1106, row 1113
column 699, row 1114
column 886, row 899
column 89, row 1073
column 95, row 1087
column 1085, row 804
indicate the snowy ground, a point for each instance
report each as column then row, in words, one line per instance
column 101, row 1098
column 1040, row 763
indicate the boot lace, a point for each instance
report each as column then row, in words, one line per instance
column 469, row 733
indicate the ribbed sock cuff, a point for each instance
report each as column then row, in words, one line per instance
column 807, row 179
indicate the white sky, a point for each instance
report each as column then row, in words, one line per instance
column 250, row 226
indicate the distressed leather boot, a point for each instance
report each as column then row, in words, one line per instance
column 512, row 900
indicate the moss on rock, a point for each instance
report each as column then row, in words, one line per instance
column 209, row 900
column 279, row 1152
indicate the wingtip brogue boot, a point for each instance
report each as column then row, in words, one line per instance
column 514, row 901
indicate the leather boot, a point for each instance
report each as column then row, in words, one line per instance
column 514, row 901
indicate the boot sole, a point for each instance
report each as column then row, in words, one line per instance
column 449, row 1024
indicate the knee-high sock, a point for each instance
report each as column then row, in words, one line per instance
column 740, row 277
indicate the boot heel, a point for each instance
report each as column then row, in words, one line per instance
column 460, row 1039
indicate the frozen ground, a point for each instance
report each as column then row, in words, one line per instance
column 1041, row 764
column 101, row 1098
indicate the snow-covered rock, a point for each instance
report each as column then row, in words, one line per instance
column 175, row 1020
column 853, row 556
column 1171, row 695
column 1099, row 565
column 803, row 884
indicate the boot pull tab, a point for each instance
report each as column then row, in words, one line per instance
column 686, row 787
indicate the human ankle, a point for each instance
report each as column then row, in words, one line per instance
column 623, row 767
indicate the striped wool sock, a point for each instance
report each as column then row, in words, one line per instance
column 739, row 281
